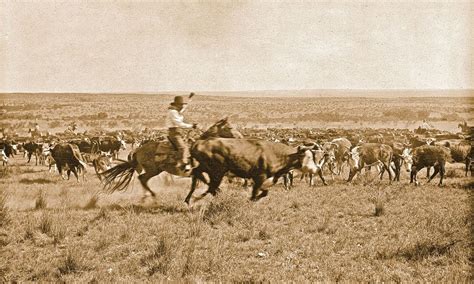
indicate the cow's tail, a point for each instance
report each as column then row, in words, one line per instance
column 119, row 177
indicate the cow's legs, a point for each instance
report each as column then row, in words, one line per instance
column 195, row 177
column 387, row 168
column 320, row 173
column 214, row 183
column 413, row 174
column 436, row 171
column 257, row 184
column 468, row 163
column 428, row 169
column 352, row 173
column 74, row 171
column 143, row 178
column 442, row 170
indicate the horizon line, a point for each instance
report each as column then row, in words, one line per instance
column 244, row 91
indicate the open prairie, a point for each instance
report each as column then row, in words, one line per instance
column 63, row 230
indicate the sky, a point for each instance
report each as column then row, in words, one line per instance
column 137, row 46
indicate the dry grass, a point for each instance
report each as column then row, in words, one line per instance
column 360, row 232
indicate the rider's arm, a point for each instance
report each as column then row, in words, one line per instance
column 177, row 120
column 184, row 107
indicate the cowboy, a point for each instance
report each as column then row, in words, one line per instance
column 175, row 123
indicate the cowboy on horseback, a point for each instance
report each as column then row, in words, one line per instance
column 175, row 123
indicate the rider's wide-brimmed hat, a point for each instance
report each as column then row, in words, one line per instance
column 178, row 100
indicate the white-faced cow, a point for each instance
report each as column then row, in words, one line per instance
column 370, row 154
column 111, row 145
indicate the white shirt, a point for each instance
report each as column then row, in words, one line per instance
column 176, row 119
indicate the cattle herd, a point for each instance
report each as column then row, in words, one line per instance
column 262, row 154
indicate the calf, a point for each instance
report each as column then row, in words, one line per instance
column 428, row 156
column 370, row 154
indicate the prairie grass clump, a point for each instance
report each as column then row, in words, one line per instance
column 195, row 223
column 5, row 172
column 4, row 214
column 92, row 203
column 40, row 202
column 223, row 209
column 45, row 224
column 70, row 264
column 158, row 260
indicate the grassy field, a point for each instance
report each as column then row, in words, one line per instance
column 56, row 230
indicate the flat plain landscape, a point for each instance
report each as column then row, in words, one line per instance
column 63, row 230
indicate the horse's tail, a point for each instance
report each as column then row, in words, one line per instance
column 122, row 172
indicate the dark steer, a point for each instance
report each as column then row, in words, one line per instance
column 68, row 155
column 370, row 154
column 428, row 156
column 258, row 160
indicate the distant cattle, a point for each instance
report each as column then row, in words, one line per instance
column 68, row 155
column 32, row 148
column 7, row 148
column 428, row 156
column 256, row 159
column 370, row 154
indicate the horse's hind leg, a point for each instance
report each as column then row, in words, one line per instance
column 144, row 181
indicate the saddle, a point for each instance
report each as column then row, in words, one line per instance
column 166, row 152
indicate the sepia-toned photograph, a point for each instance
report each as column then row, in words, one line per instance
column 236, row 141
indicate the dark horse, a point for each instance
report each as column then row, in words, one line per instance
column 154, row 157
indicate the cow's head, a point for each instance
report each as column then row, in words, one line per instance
column 123, row 145
column 306, row 156
column 407, row 159
column 353, row 158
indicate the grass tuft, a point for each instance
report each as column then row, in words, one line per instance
column 4, row 214
column 40, row 202
column 70, row 264
column 45, row 224
column 92, row 203
column 158, row 260
column 35, row 181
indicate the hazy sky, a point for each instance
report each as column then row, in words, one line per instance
column 131, row 46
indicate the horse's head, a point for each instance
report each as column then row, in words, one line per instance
column 223, row 129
